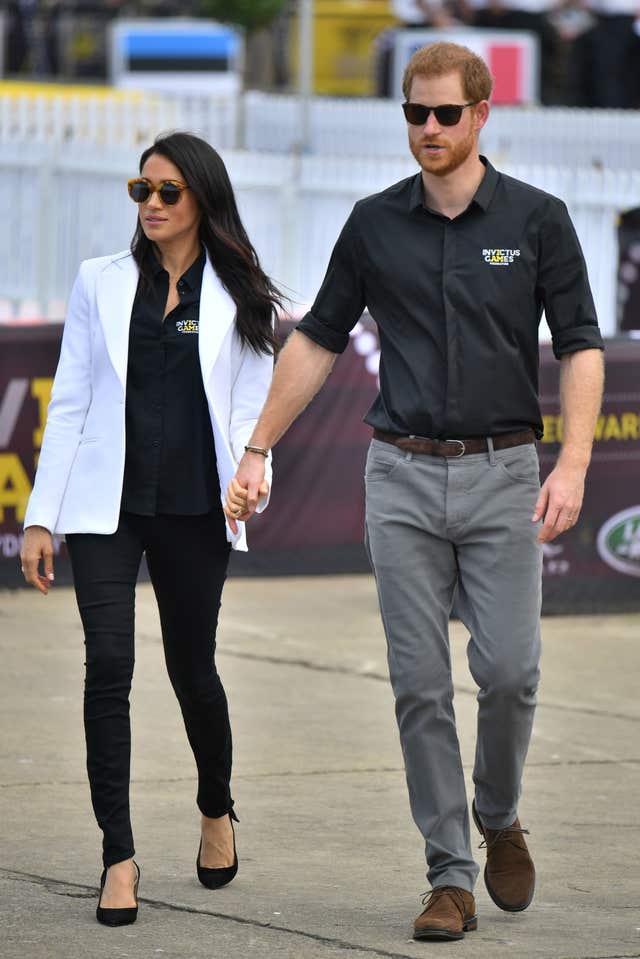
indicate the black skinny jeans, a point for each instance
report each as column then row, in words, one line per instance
column 187, row 558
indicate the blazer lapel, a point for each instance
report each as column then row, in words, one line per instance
column 115, row 292
column 217, row 312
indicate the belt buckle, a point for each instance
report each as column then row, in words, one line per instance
column 463, row 449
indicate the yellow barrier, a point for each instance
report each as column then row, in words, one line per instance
column 345, row 32
column 20, row 88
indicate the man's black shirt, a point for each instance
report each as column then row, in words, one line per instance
column 170, row 464
column 457, row 303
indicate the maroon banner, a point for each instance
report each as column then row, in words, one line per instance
column 596, row 565
column 28, row 357
column 315, row 521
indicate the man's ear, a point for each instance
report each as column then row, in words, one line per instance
column 481, row 114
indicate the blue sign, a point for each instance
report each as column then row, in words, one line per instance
column 172, row 54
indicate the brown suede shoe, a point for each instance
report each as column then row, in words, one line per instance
column 450, row 913
column 509, row 875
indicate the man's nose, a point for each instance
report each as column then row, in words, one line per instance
column 432, row 125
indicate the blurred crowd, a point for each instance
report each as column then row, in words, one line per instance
column 48, row 38
column 589, row 49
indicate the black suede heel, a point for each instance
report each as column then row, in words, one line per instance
column 118, row 917
column 215, row 878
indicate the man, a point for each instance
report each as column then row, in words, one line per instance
column 455, row 265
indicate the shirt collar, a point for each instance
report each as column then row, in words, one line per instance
column 484, row 193
column 193, row 276
column 482, row 196
column 416, row 198
column 154, row 262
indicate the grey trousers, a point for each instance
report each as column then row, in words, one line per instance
column 440, row 530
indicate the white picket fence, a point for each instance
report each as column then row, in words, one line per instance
column 63, row 203
column 605, row 139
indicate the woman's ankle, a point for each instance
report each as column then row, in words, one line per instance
column 122, row 869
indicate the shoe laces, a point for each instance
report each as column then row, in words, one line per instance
column 432, row 895
column 502, row 835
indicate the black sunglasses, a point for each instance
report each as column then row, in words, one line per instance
column 169, row 191
column 447, row 115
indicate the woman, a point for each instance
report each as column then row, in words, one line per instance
column 166, row 359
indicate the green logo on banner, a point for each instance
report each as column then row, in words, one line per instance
column 619, row 541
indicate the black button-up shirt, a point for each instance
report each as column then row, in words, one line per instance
column 170, row 464
column 457, row 303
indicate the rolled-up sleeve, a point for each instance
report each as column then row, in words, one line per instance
column 341, row 299
column 564, row 285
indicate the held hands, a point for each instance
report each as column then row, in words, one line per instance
column 560, row 501
column 245, row 489
column 37, row 543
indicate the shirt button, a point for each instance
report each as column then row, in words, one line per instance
column 156, row 443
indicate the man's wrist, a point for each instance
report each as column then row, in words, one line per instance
column 574, row 460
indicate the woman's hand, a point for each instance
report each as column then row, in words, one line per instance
column 37, row 543
column 238, row 505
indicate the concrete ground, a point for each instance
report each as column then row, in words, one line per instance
column 331, row 864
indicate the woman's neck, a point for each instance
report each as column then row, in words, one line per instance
column 177, row 257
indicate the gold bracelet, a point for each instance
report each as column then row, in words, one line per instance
column 256, row 449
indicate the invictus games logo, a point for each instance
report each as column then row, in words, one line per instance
column 619, row 541
column 500, row 257
column 187, row 326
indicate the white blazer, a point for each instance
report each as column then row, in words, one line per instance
column 78, row 485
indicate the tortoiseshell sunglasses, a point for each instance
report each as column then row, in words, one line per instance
column 169, row 191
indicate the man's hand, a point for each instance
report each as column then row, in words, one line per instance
column 560, row 501
column 37, row 543
column 245, row 489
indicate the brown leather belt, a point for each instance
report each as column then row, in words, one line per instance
column 454, row 448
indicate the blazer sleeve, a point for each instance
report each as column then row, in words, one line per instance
column 251, row 378
column 70, row 399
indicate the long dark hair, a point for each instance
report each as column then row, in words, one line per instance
column 223, row 235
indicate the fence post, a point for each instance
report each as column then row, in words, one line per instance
column 45, row 233
column 290, row 190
